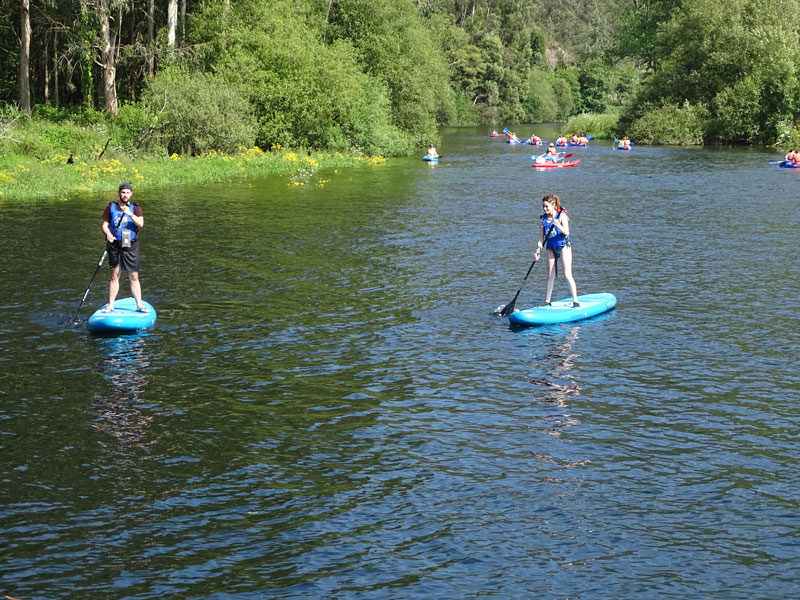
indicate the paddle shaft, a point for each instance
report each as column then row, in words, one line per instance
column 509, row 308
column 86, row 293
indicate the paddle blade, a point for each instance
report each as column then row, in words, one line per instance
column 508, row 308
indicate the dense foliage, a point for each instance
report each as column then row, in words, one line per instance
column 380, row 76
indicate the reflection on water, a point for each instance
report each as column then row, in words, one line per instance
column 123, row 363
column 555, row 382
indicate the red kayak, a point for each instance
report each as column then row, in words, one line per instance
column 550, row 165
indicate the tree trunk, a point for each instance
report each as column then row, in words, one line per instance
column 25, row 56
column 151, row 38
column 46, row 64
column 183, row 21
column 108, row 60
column 55, row 69
column 172, row 23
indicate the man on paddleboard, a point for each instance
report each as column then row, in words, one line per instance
column 121, row 224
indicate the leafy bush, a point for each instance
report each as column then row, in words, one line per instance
column 44, row 139
column 736, row 112
column 131, row 128
column 601, row 126
column 670, row 124
column 203, row 112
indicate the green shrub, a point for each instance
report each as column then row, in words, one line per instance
column 203, row 112
column 135, row 129
column 670, row 124
column 736, row 112
column 44, row 139
column 601, row 126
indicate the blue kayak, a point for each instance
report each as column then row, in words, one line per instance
column 562, row 311
column 623, row 148
column 787, row 165
column 123, row 319
column 430, row 158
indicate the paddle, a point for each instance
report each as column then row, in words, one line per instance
column 509, row 308
column 75, row 320
column 774, row 162
column 563, row 157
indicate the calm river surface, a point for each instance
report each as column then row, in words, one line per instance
column 327, row 408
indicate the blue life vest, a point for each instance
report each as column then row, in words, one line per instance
column 118, row 221
column 556, row 238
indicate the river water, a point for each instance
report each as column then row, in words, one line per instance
column 328, row 408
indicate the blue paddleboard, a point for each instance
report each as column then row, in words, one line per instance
column 430, row 158
column 562, row 311
column 123, row 319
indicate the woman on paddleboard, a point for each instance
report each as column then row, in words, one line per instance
column 554, row 236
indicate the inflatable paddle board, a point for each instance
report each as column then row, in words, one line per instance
column 562, row 311
column 430, row 158
column 123, row 319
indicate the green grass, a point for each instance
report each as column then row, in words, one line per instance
column 24, row 177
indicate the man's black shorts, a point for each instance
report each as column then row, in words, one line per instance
column 127, row 258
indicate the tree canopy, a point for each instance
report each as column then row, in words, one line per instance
column 381, row 76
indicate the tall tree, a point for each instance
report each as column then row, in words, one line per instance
column 109, row 39
column 172, row 22
column 25, row 56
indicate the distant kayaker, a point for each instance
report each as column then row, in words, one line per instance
column 792, row 157
column 432, row 152
column 554, row 238
column 626, row 142
column 583, row 140
column 561, row 141
column 575, row 138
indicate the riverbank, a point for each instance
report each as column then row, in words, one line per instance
column 60, row 177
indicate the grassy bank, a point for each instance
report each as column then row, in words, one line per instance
column 23, row 177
